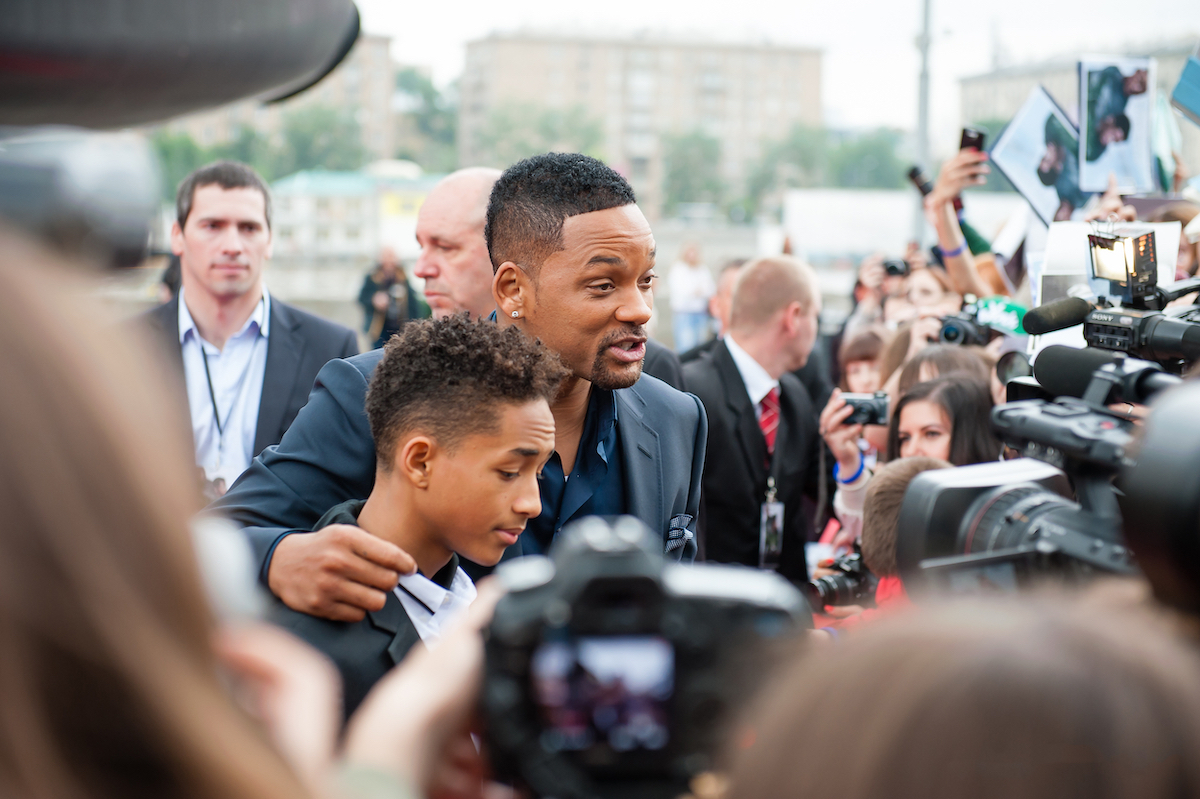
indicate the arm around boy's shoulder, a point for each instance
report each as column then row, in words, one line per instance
column 326, row 457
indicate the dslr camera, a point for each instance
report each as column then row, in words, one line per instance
column 966, row 328
column 853, row 583
column 611, row 672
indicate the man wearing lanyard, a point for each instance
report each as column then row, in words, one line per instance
column 763, row 444
column 248, row 360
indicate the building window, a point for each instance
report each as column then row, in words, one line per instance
column 352, row 233
column 285, row 234
column 639, row 168
column 323, row 204
column 322, row 233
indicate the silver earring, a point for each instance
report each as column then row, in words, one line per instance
column 516, row 314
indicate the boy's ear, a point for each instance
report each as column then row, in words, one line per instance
column 413, row 460
column 512, row 290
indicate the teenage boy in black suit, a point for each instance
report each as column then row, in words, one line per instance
column 460, row 414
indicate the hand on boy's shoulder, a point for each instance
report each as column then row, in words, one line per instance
column 339, row 572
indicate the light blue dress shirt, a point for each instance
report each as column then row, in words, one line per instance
column 237, row 374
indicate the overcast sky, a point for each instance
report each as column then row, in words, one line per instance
column 870, row 62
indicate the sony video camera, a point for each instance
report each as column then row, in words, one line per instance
column 1140, row 325
column 610, row 672
column 1001, row 525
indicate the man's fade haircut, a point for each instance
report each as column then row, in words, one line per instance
column 533, row 197
column 227, row 175
column 449, row 378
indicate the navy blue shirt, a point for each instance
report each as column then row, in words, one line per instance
column 597, row 484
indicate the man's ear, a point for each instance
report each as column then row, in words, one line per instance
column 176, row 238
column 792, row 313
column 513, row 291
column 414, row 460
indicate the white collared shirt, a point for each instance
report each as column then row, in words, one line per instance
column 757, row 380
column 432, row 608
column 237, row 374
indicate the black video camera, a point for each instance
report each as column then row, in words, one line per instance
column 1000, row 525
column 1173, row 342
column 854, row 583
column 610, row 672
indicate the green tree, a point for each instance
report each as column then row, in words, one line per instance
column 518, row 131
column 799, row 160
column 867, row 161
column 318, row 137
column 691, row 163
column 249, row 147
column 433, row 121
column 178, row 154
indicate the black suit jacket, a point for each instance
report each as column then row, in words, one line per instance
column 735, row 471
column 363, row 651
column 328, row 457
column 298, row 346
column 662, row 362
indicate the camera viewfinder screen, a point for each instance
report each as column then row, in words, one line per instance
column 604, row 690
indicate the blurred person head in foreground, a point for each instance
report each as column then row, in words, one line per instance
column 107, row 671
column 1018, row 700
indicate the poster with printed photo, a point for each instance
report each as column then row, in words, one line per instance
column 1038, row 153
column 1116, row 102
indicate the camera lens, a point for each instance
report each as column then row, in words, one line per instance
column 1003, row 518
column 952, row 333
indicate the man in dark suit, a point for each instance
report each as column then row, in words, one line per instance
column 763, row 443
column 815, row 374
column 574, row 259
column 247, row 360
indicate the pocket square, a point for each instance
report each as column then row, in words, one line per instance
column 678, row 534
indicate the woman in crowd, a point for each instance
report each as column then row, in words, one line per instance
column 942, row 359
column 1019, row 700
column 859, row 362
column 946, row 418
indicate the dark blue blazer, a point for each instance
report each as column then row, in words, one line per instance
column 327, row 456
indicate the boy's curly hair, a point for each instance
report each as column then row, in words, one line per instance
column 448, row 377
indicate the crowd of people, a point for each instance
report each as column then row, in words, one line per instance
column 514, row 392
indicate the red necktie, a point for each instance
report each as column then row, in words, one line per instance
column 769, row 419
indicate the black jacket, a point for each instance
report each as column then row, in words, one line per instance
column 365, row 650
column 298, row 346
column 662, row 362
column 735, row 471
